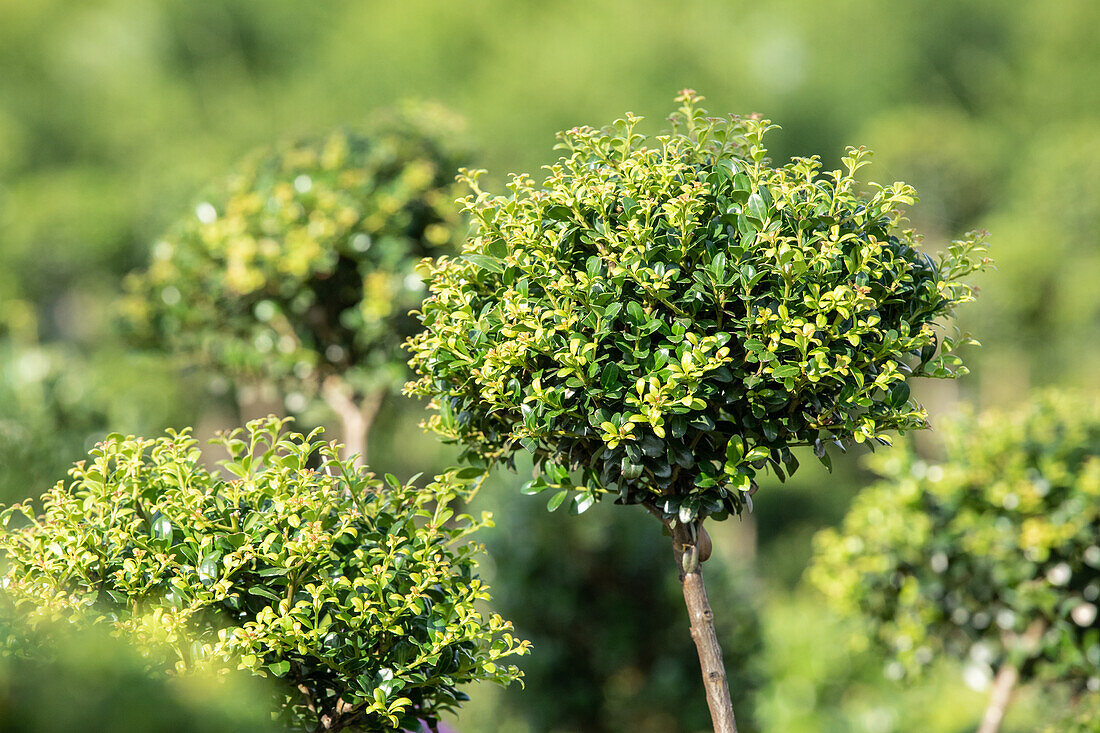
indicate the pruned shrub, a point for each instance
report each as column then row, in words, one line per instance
column 362, row 596
column 990, row 554
column 298, row 271
column 663, row 317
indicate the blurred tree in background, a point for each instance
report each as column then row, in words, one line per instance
column 296, row 276
column 989, row 556
column 114, row 115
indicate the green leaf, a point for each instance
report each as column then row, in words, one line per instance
column 583, row 502
column 161, row 528
column 236, row 469
column 208, row 570
column 735, row 450
column 756, row 207
column 899, row 394
column 262, row 593
column 485, row 262
column 533, row 487
column 271, row 572
column 758, row 453
column 557, row 499
column 785, row 371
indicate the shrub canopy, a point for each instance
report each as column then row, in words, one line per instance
column 362, row 596
column 966, row 555
column 301, row 266
column 663, row 317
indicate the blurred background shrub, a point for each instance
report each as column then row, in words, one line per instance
column 987, row 554
column 295, row 278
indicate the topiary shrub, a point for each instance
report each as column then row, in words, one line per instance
column 661, row 318
column 361, row 596
column 990, row 555
column 298, row 273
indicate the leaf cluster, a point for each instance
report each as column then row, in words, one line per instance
column 991, row 555
column 361, row 595
column 301, row 266
column 663, row 317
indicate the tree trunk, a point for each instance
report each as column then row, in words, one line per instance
column 702, row 627
column 356, row 417
column 1004, row 684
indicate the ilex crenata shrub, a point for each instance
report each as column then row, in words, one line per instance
column 663, row 317
column 361, row 596
column 990, row 555
column 298, row 271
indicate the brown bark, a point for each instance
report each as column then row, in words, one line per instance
column 687, row 551
column 356, row 416
column 1004, row 684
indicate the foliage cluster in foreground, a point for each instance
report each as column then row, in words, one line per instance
column 362, row 596
column 663, row 317
column 992, row 555
column 301, row 266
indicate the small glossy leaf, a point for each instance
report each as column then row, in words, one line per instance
column 557, row 499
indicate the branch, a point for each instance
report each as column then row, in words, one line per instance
column 688, row 560
column 356, row 416
column 1004, row 684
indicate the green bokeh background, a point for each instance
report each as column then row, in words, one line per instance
column 115, row 114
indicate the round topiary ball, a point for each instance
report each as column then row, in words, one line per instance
column 663, row 317
column 299, row 269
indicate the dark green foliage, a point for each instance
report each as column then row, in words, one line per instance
column 300, row 267
column 991, row 555
column 664, row 317
column 362, row 596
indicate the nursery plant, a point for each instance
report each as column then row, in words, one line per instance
column 662, row 318
column 990, row 555
column 298, row 272
column 360, row 596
